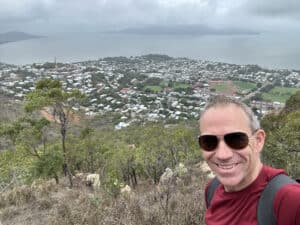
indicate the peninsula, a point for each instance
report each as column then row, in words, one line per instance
column 14, row 36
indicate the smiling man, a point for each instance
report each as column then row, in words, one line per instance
column 231, row 141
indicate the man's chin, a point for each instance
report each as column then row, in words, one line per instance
column 230, row 183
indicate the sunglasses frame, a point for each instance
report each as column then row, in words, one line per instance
column 233, row 145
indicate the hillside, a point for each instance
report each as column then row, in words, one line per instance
column 45, row 202
column 34, row 188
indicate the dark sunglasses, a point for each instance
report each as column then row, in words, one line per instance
column 235, row 140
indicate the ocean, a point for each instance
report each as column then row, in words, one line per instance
column 268, row 50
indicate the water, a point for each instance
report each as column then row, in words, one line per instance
column 267, row 50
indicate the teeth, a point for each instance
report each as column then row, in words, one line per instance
column 226, row 167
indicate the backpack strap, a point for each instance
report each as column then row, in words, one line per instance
column 211, row 190
column 265, row 209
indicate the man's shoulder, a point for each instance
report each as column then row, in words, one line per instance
column 270, row 172
column 287, row 204
column 288, row 192
column 288, row 189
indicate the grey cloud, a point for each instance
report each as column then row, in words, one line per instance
column 274, row 8
column 23, row 10
column 101, row 10
column 97, row 15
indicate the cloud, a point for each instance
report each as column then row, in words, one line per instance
column 23, row 10
column 97, row 15
column 275, row 8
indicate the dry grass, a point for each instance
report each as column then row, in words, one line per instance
column 47, row 203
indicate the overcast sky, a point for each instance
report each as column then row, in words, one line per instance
column 46, row 16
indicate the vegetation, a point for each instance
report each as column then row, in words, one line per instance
column 222, row 87
column 282, row 148
column 181, row 85
column 152, row 88
column 157, row 57
column 136, row 156
column 156, row 85
column 280, row 94
column 234, row 86
column 91, row 149
column 49, row 93
column 244, row 87
column 48, row 65
column 45, row 202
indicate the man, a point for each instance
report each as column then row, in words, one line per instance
column 231, row 141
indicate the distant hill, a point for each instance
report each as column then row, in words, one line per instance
column 186, row 30
column 16, row 36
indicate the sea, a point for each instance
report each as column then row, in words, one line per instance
column 268, row 50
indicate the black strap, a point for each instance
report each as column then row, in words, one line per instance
column 211, row 190
column 265, row 209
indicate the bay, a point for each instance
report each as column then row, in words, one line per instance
column 269, row 50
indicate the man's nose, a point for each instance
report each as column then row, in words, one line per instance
column 223, row 151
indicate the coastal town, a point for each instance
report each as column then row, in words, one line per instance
column 151, row 87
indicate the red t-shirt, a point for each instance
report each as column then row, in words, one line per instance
column 239, row 208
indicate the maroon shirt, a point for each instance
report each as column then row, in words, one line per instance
column 239, row 208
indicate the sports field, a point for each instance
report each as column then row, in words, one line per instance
column 279, row 94
column 225, row 87
column 153, row 88
column 231, row 87
column 244, row 87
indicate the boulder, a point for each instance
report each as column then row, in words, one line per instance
column 93, row 179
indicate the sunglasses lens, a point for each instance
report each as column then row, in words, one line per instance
column 208, row 142
column 236, row 140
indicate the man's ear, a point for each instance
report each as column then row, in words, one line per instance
column 260, row 137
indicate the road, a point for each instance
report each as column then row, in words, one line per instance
column 251, row 94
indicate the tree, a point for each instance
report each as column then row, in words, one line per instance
column 283, row 132
column 27, row 136
column 293, row 103
column 89, row 144
column 33, row 135
column 282, row 145
column 181, row 144
column 49, row 93
column 123, row 162
column 48, row 164
column 152, row 156
column 11, row 132
column 33, row 140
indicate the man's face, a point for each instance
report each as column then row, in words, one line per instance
column 235, row 169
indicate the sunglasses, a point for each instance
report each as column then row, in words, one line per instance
column 235, row 140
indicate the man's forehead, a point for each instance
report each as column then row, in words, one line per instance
column 228, row 111
column 222, row 107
